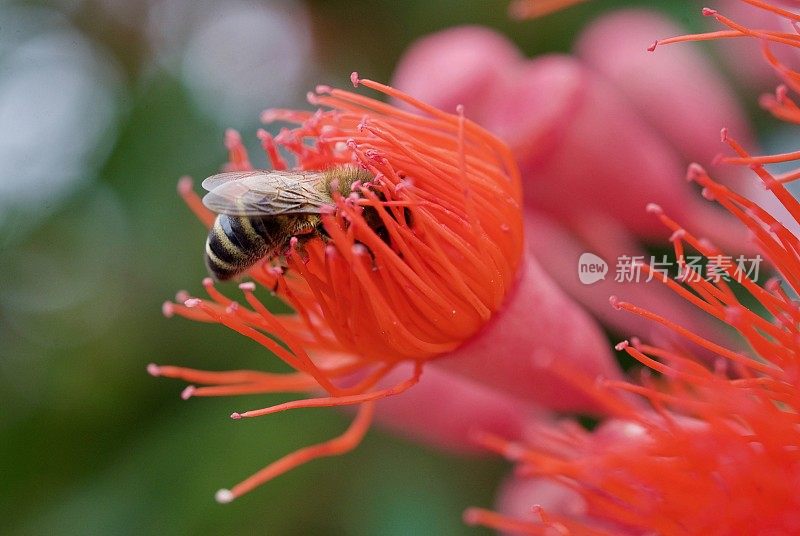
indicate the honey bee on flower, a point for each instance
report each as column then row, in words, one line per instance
column 262, row 213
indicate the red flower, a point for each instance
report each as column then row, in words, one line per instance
column 718, row 449
column 444, row 275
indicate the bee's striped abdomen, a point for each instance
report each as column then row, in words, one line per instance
column 236, row 243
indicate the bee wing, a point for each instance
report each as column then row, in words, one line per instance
column 265, row 193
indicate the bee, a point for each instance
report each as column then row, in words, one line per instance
column 260, row 211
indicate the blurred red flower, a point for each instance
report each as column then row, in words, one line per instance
column 717, row 448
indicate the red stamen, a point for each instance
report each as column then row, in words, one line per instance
column 237, row 153
column 193, row 201
column 346, row 442
column 531, row 9
column 498, row 522
column 340, row 400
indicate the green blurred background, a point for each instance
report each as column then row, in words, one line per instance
column 103, row 105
